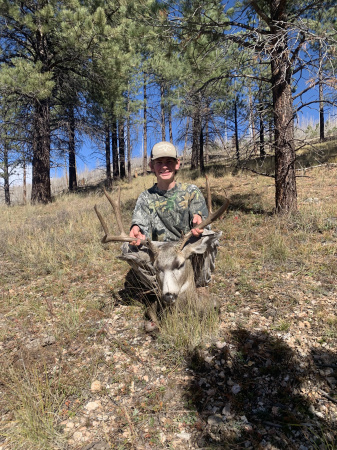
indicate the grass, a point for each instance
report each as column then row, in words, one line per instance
column 189, row 325
column 57, row 279
column 36, row 403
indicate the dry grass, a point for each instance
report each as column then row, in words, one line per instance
column 189, row 325
column 57, row 279
column 36, row 405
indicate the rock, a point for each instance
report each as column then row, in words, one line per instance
column 48, row 340
column 77, row 436
column 208, row 359
column 236, row 389
column 185, row 436
column 226, row 411
column 91, row 406
column 34, row 344
column 162, row 437
column 96, row 386
column 220, row 345
column 215, row 420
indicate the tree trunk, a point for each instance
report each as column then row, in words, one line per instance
column 108, row 156
column 252, row 121
column 6, row 174
column 66, row 171
column 71, row 149
column 186, row 139
column 321, row 95
column 237, row 149
column 114, row 143
column 206, row 141
column 202, row 165
column 170, row 124
column 262, row 149
column 162, row 110
column 41, row 192
column 145, row 129
column 24, row 182
column 261, row 121
column 285, row 179
column 128, row 138
column 271, row 132
column 195, row 139
column 128, row 143
column 121, row 139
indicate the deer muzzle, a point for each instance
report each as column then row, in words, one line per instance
column 169, row 298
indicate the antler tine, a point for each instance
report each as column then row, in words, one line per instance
column 116, row 204
column 111, row 238
column 212, row 217
column 99, row 215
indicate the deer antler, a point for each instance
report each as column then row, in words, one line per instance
column 212, row 217
column 115, row 203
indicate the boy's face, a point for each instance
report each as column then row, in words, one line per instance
column 165, row 168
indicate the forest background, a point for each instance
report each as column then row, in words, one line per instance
column 227, row 79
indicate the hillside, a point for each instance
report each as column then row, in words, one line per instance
column 78, row 370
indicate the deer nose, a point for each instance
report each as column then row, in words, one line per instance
column 169, row 298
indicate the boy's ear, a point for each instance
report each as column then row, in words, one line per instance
column 151, row 166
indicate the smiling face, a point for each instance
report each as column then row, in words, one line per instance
column 165, row 170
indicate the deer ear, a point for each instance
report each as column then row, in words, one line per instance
column 201, row 245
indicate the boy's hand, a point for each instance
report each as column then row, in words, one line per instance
column 196, row 220
column 136, row 233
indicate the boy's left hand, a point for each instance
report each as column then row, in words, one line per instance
column 196, row 220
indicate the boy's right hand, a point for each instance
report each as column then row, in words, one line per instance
column 137, row 234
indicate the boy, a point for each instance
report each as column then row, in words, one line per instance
column 165, row 212
column 168, row 209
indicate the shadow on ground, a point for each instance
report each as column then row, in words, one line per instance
column 134, row 292
column 253, row 391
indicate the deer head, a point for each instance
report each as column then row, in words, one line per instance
column 168, row 263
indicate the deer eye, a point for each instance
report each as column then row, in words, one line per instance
column 178, row 264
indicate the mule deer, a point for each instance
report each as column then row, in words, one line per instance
column 169, row 268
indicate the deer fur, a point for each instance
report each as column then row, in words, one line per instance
column 170, row 272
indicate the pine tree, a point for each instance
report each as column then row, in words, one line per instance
column 41, row 42
column 276, row 33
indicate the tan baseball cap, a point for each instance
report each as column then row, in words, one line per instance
column 163, row 150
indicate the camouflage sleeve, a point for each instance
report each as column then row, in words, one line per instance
column 141, row 215
column 197, row 204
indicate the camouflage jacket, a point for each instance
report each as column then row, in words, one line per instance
column 165, row 215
